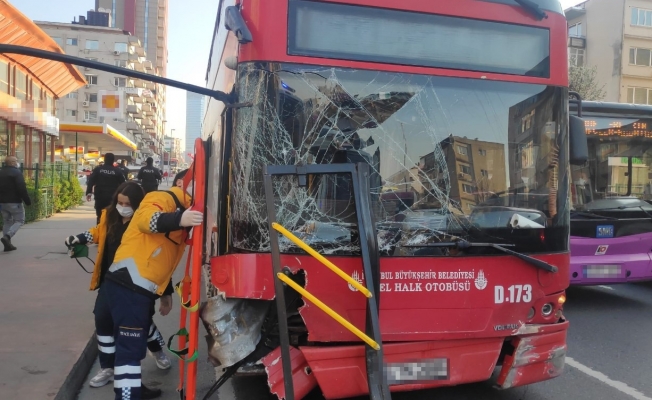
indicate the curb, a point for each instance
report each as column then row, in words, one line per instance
column 77, row 375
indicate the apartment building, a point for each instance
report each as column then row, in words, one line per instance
column 145, row 19
column 140, row 130
column 616, row 37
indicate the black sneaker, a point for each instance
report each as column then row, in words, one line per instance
column 6, row 241
column 147, row 393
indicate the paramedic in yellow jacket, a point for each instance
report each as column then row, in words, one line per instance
column 150, row 251
column 114, row 221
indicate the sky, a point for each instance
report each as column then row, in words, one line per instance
column 190, row 31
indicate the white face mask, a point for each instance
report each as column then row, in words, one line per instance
column 124, row 211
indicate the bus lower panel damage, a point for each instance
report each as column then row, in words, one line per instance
column 340, row 371
column 534, row 356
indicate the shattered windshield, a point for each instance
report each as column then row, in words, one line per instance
column 450, row 158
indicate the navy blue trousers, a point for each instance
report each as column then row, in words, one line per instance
column 129, row 314
column 106, row 340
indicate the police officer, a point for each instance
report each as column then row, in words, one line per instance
column 105, row 180
column 149, row 176
column 123, row 167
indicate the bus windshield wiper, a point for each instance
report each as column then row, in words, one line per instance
column 591, row 215
column 464, row 244
column 532, row 8
column 625, row 208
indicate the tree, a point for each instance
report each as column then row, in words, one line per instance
column 584, row 81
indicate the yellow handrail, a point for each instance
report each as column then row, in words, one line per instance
column 328, row 311
column 321, row 259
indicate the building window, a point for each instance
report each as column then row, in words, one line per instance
column 121, row 47
column 575, row 30
column 92, row 45
column 467, row 188
column 484, row 173
column 91, row 79
column 90, row 115
column 482, row 152
column 4, row 77
column 639, row 56
column 21, row 85
column 638, row 95
column 462, row 150
column 71, row 113
column 575, row 57
column 71, row 95
column 526, row 121
column 465, row 169
column 119, row 82
column 58, row 40
column 91, row 97
column 121, row 63
column 641, row 17
column 71, row 41
column 36, row 91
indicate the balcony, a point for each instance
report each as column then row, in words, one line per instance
column 132, row 126
column 147, row 107
column 148, row 123
column 575, row 12
column 134, row 109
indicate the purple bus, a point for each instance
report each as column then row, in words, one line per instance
column 611, row 217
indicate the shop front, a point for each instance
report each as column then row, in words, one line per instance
column 29, row 88
column 86, row 143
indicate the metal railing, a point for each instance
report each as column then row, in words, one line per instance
column 51, row 187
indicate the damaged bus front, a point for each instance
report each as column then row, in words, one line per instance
column 468, row 182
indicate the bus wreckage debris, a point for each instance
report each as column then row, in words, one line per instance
column 234, row 326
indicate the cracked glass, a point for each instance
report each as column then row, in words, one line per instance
column 451, row 159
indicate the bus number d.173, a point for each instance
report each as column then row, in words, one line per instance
column 513, row 294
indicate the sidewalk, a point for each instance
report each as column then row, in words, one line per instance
column 46, row 308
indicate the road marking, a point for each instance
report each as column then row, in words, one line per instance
column 606, row 287
column 620, row 386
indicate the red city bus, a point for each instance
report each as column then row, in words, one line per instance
column 464, row 106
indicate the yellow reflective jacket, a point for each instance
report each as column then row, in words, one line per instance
column 150, row 256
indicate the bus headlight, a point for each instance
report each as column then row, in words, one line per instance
column 547, row 309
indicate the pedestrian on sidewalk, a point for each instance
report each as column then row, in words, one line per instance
column 13, row 193
column 150, row 251
column 103, row 182
column 108, row 234
column 149, row 176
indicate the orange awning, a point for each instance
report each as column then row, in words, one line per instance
column 17, row 29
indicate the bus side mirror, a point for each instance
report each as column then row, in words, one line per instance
column 236, row 24
column 578, row 144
